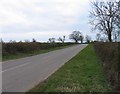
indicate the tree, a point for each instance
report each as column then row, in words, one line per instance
column 33, row 40
column 12, row 41
column 61, row 39
column 81, row 38
column 88, row 38
column 76, row 36
column 118, row 15
column 104, row 17
column 98, row 35
column 20, row 41
column 117, row 35
column 26, row 40
column 51, row 40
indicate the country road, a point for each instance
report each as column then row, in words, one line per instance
column 20, row 75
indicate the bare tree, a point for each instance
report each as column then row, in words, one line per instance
column 12, row 41
column 51, row 40
column 104, row 17
column 26, row 40
column 33, row 40
column 115, row 37
column 118, row 15
column 88, row 38
column 81, row 38
column 118, row 21
column 61, row 39
column 98, row 35
column 76, row 36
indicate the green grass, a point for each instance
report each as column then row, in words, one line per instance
column 21, row 55
column 83, row 73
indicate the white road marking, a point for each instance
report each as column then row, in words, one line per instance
column 15, row 67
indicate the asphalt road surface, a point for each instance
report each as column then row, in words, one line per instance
column 21, row 75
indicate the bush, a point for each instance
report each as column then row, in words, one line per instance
column 27, row 47
column 13, row 48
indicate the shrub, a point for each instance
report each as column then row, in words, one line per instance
column 27, row 47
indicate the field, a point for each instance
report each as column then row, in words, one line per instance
column 109, row 53
column 83, row 73
column 24, row 49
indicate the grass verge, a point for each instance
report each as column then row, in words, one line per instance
column 83, row 73
column 21, row 55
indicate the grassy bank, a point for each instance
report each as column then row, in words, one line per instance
column 19, row 50
column 83, row 73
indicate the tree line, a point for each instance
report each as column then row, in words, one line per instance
column 75, row 36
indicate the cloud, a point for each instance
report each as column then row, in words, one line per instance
column 33, row 16
column 28, row 11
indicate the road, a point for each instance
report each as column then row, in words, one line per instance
column 21, row 75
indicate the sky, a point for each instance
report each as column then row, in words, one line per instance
column 43, row 19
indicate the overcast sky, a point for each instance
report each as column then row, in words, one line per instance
column 43, row 19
